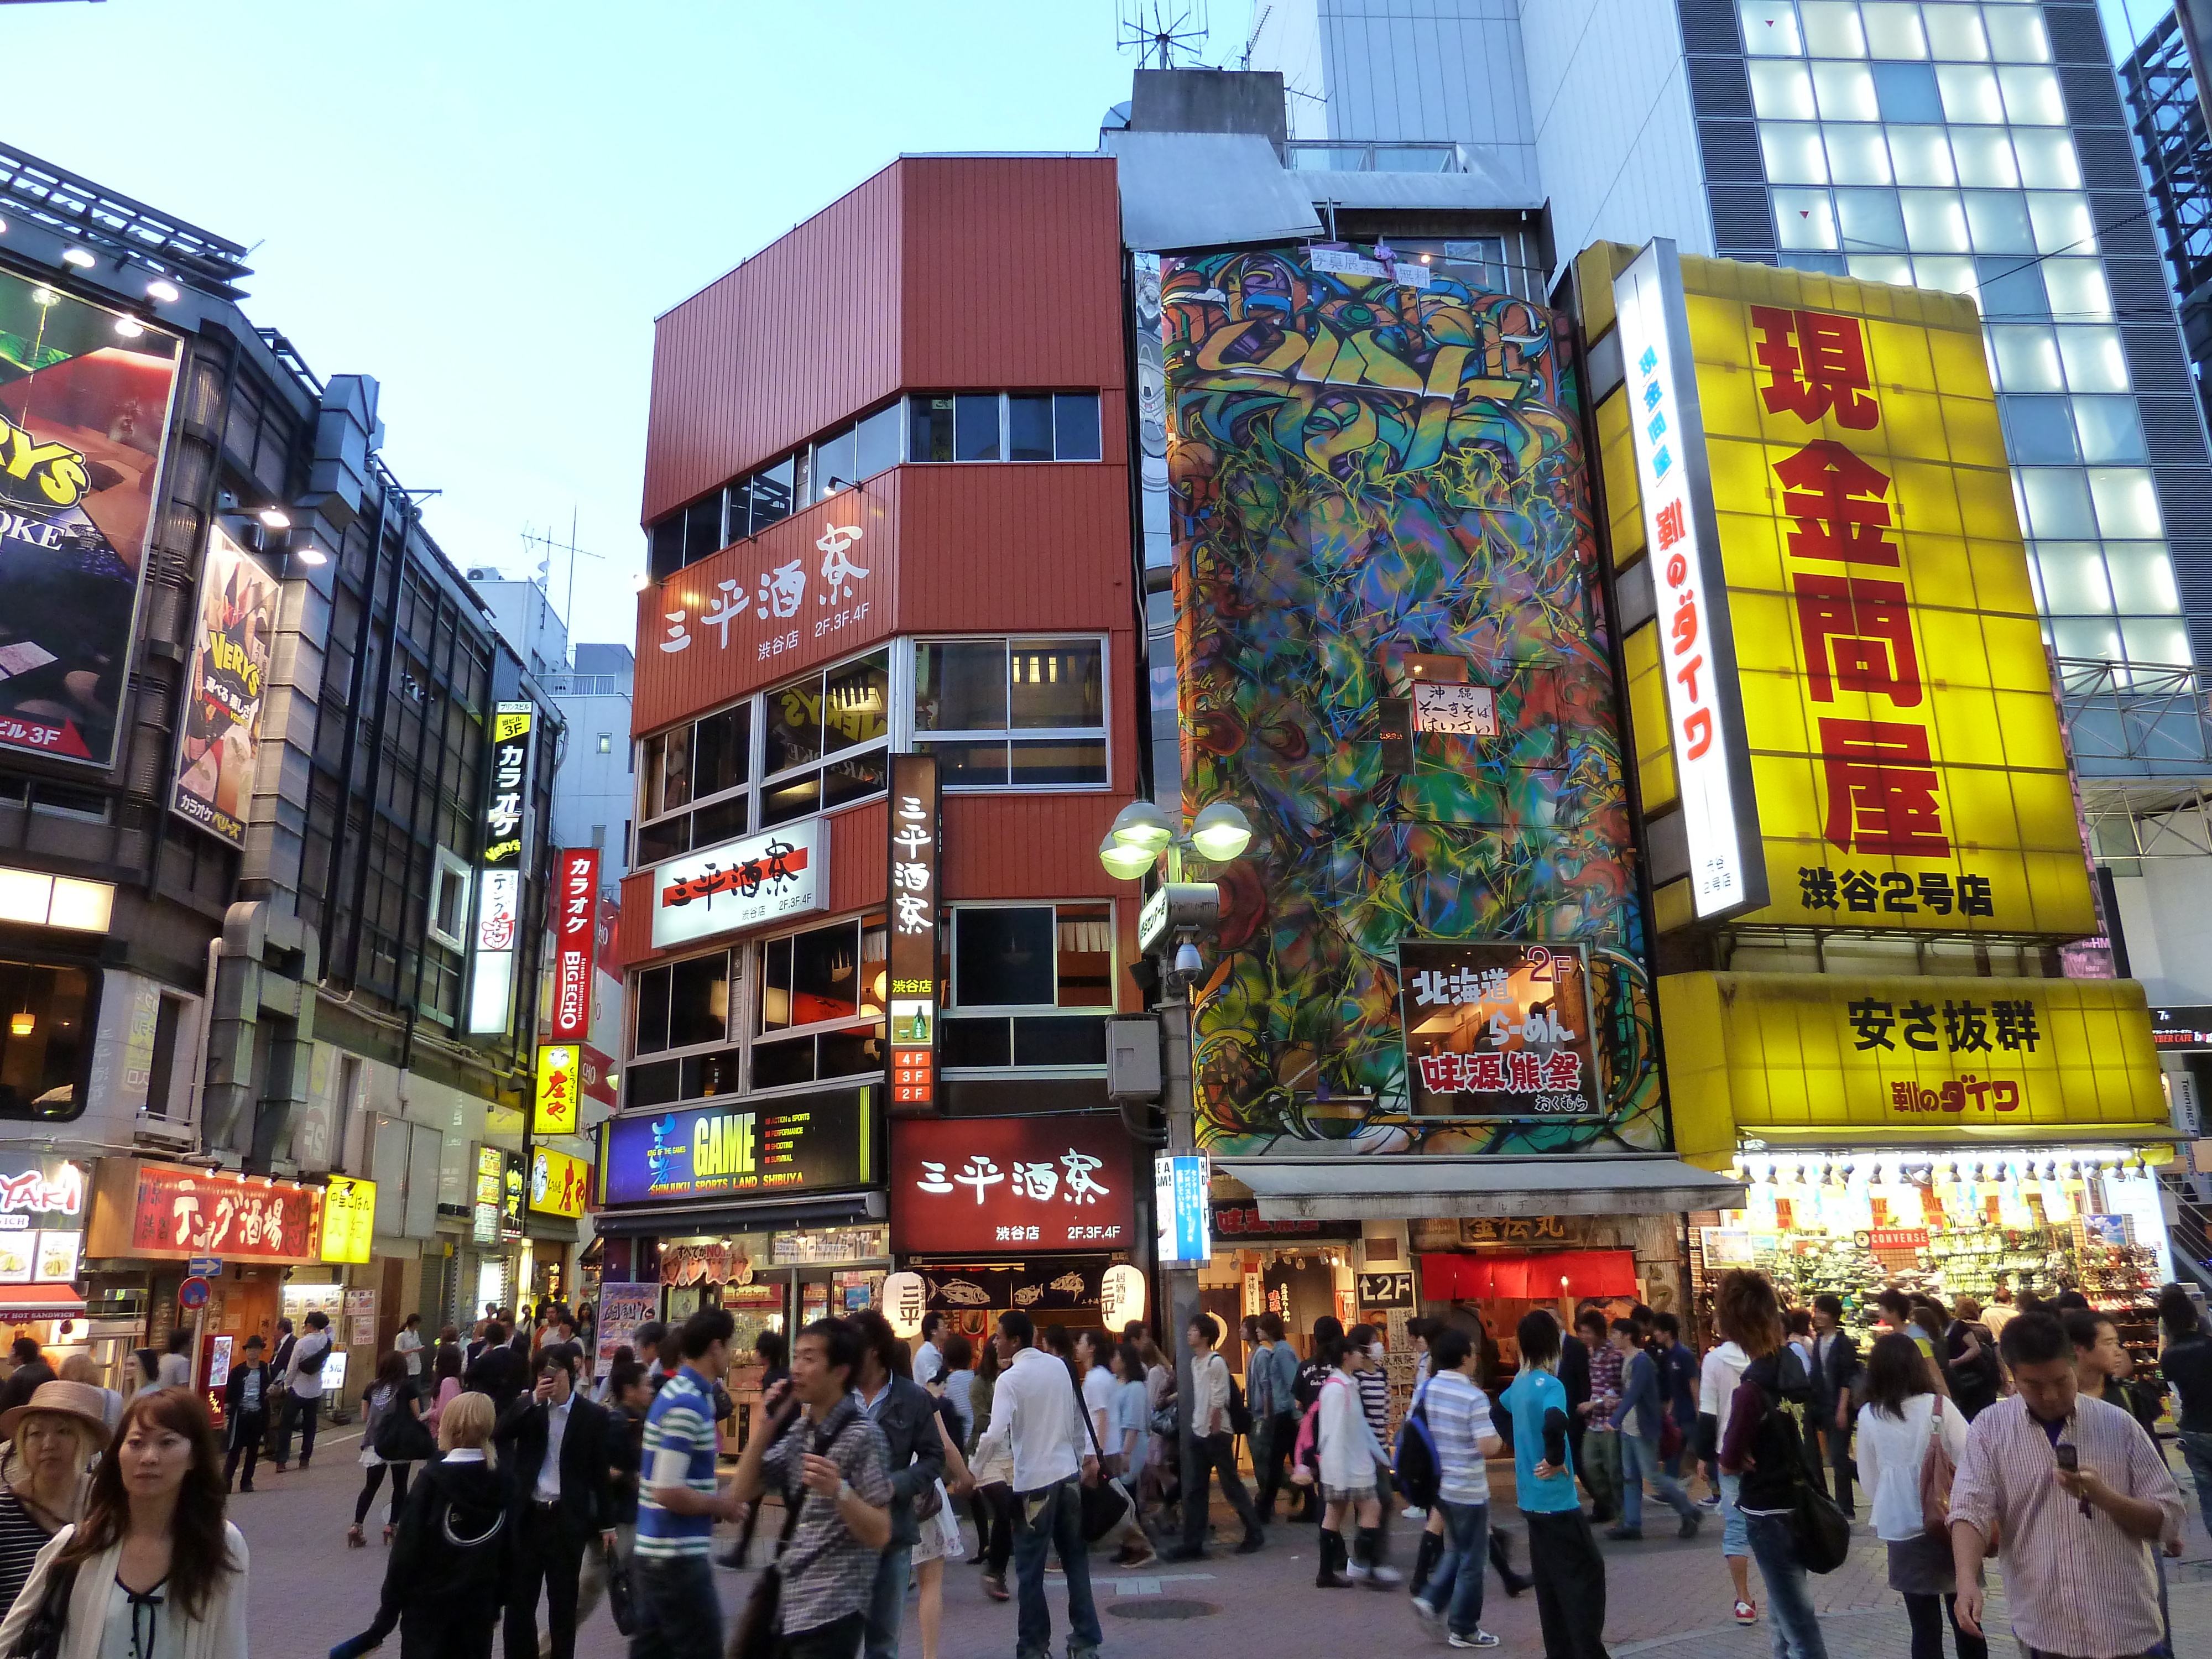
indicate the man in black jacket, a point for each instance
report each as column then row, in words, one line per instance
column 555, row 1446
column 1575, row 1378
column 1835, row 1374
column 498, row 1370
column 906, row 1415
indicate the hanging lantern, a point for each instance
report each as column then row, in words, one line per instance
column 1120, row 1296
column 905, row 1300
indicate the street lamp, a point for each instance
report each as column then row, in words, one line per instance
column 1173, row 914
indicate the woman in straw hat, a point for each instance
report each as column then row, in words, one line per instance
column 55, row 1435
column 153, row 1567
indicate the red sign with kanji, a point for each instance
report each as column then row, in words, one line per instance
column 575, row 906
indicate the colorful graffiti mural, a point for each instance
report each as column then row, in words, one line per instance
column 1363, row 470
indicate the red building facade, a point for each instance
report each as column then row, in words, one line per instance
column 888, row 494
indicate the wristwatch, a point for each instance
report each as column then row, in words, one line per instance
column 844, row 1490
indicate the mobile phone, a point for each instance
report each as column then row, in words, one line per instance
column 2070, row 1459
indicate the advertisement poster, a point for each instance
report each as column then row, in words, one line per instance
column 1496, row 1030
column 622, row 1308
column 84, row 410
column 222, row 705
column 806, row 1143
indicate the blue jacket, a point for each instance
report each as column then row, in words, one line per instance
column 1677, row 1371
column 1287, row 1377
column 1639, row 1389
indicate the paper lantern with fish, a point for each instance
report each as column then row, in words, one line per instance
column 1120, row 1296
column 904, row 1300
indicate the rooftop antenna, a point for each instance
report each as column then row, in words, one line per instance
column 1167, row 33
column 551, row 545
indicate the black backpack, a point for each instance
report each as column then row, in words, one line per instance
column 1240, row 1414
column 1419, row 1470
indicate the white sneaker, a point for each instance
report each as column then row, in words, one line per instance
column 1382, row 1575
column 1481, row 1638
column 1356, row 1573
column 1427, row 1614
column 1412, row 1514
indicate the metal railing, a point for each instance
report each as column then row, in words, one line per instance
column 2134, row 720
column 1377, row 155
column 70, row 202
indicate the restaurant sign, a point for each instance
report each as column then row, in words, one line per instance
column 1496, row 1030
column 576, row 916
column 916, row 845
column 745, row 882
column 1055, row 1182
column 168, row 1212
column 43, row 1202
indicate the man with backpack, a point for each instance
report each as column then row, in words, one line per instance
column 1214, row 1448
column 303, row 1385
column 1450, row 1429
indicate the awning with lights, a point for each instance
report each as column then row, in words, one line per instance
column 1406, row 1187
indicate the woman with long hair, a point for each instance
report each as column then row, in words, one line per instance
column 392, row 1391
column 153, row 1567
column 447, row 1381
column 1764, row 1449
column 53, row 1437
column 1902, row 1416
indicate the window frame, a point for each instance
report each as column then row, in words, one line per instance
column 756, row 1037
column 739, row 983
column 886, row 745
column 450, row 865
column 642, row 770
column 921, row 742
column 1009, row 1012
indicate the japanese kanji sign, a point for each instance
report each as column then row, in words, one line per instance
column 1905, row 749
column 348, row 1219
column 743, row 883
column 914, row 866
column 1059, row 1181
column 559, row 1184
column 1752, row 1054
column 168, row 1213
column 1697, row 653
column 1497, row 1031
column 501, row 867
column 575, row 914
column 559, row 1084
column 1468, row 711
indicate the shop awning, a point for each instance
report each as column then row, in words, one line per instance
column 41, row 1301
column 1542, row 1275
column 1398, row 1189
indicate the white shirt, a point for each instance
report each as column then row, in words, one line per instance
column 1890, row 1452
column 556, row 1429
column 409, row 1343
column 1098, row 1386
column 1035, row 1418
column 463, row 1454
column 1209, row 1387
column 307, row 1384
column 1716, row 1383
column 927, row 1361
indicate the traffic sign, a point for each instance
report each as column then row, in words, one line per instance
column 192, row 1293
column 204, row 1267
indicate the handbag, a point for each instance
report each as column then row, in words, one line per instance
column 1822, row 1536
column 42, row 1637
column 759, row 1633
column 402, row 1436
column 619, row 1605
column 1936, row 1473
column 1107, row 1503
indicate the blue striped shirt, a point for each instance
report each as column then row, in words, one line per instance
column 681, row 1425
column 1459, row 1418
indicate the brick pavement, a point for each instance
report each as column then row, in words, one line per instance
column 1666, row 1597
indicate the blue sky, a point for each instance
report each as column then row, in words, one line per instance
column 484, row 203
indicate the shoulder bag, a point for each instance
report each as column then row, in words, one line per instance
column 42, row 1637
column 1936, row 1473
column 1106, row 1504
column 1823, row 1537
column 759, row 1633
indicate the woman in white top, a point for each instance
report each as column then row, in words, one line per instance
column 1902, row 1416
column 153, row 1571
column 1348, row 1456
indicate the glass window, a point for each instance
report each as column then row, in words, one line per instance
column 1805, row 219
column 1922, row 155
column 1782, row 92
column 651, row 998
column 1857, row 155
column 857, row 703
column 1055, row 683
column 975, row 426
column 1970, row 94
column 2110, row 429
column 977, row 1042
column 1003, row 955
column 1945, row 274
column 1769, row 29
column 699, row 1000
column 876, row 446
column 1881, row 268
column 971, row 765
column 929, row 427
column 1985, row 158
column 2127, row 504
column 666, row 552
column 1845, row 92
column 960, row 685
column 1029, row 427
column 665, row 840
column 2142, row 578
column 773, row 490
column 836, row 464
column 2011, row 288
column 2031, row 98
column 1955, row 32
column 1075, row 426
column 2156, row 640
column 2016, row 34
column 1044, row 763
column 1794, row 153
column 2098, row 641
column 668, row 771
column 1087, row 955
column 1893, row 31
column 722, row 753
column 1832, row 29
column 2038, row 430
column 2063, row 224
column 793, row 726
column 853, row 777
column 2093, row 360
column 2077, row 290
column 1935, row 221
column 2047, row 161
column 702, row 528
column 2026, row 358
column 775, row 985
column 2073, row 578
column 1907, row 93
column 2058, row 501
column 39, row 1066
column 1870, row 219
column 1998, row 221
column 825, row 974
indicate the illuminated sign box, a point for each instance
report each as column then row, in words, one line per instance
column 348, row 1219
column 1497, row 1031
column 1056, row 1181
column 743, row 883
column 559, row 1184
column 736, row 1148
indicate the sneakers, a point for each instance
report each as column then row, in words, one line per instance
column 1625, row 1535
column 1252, row 1544
column 1137, row 1552
column 1712, row 1500
column 1746, row 1613
column 1380, row 1576
column 1477, row 1638
column 994, row 1586
column 1691, row 1522
column 1427, row 1614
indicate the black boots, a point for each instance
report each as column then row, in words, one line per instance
column 1514, row 1582
column 1431, row 1551
column 1332, row 1574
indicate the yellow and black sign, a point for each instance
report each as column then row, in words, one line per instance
column 349, row 1219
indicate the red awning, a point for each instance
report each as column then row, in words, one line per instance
column 41, row 1301
column 1542, row 1275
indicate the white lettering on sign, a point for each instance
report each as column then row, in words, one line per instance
column 779, row 592
column 1073, row 1180
column 839, row 570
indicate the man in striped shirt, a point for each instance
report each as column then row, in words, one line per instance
column 1458, row 1415
column 2080, row 1498
column 680, row 1616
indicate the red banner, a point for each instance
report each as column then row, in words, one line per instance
column 177, row 1213
column 576, row 916
column 1053, row 1182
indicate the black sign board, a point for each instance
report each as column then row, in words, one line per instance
column 2184, row 1030
column 1389, row 1290
column 1497, row 1031
column 915, row 846
column 1045, row 1285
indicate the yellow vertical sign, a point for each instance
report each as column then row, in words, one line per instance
column 349, row 1219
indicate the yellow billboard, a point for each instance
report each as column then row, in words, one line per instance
column 555, row 1111
column 1823, row 1056
column 1904, row 741
column 349, row 1219
column 559, row 1184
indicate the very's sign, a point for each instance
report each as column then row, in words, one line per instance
column 741, row 884
column 1008, row 1183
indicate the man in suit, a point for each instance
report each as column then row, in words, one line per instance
column 1835, row 1373
column 554, row 1442
column 907, row 1414
column 496, row 1370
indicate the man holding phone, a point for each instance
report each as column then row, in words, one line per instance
column 2079, row 1498
column 554, row 1442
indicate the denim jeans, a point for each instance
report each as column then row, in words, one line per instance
column 2196, row 1452
column 1051, row 1519
column 1640, row 1457
column 1454, row 1587
column 838, row 1639
column 1789, row 1602
column 887, row 1600
column 678, row 1614
column 1735, row 1541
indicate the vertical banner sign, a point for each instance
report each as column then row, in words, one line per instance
column 915, row 850
column 85, row 396
column 554, row 1110
column 500, row 869
column 576, row 911
column 1181, row 1182
column 224, row 691
column 491, row 1167
column 1720, row 813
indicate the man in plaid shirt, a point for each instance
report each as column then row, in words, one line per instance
column 1601, row 1470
